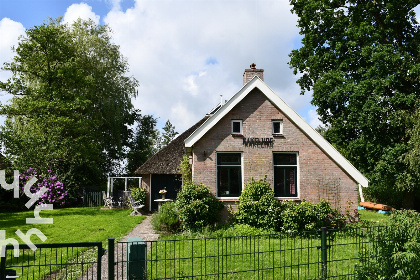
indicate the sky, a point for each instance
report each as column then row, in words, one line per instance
column 184, row 53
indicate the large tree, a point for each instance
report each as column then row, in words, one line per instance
column 168, row 134
column 360, row 58
column 71, row 109
column 143, row 144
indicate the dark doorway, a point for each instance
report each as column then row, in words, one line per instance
column 171, row 182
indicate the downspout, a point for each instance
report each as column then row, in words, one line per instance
column 362, row 199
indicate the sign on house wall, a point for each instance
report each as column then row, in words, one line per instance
column 258, row 142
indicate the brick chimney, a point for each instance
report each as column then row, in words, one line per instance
column 250, row 73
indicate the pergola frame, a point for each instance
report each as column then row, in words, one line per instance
column 110, row 184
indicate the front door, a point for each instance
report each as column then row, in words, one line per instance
column 171, row 182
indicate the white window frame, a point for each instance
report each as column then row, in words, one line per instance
column 281, row 127
column 297, row 176
column 240, row 127
column 242, row 175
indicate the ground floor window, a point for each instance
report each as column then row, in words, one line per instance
column 229, row 174
column 285, row 174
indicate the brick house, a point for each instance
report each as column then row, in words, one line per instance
column 256, row 134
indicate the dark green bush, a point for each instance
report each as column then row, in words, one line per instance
column 257, row 206
column 197, row 207
column 167, row 219
column 309, row 216
column 396, row 250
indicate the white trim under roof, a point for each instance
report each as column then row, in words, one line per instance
column 323, row 144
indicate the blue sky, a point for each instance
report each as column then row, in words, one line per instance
column 185, row 53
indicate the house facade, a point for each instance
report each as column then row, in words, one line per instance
column 257, row 135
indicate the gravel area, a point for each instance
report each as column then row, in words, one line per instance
column 143, row 230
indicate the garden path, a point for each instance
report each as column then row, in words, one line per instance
column 143, row 230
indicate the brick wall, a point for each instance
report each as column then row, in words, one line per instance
column 318, row 175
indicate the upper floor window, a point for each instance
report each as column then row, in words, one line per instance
column 277, row 126
column 236, row 126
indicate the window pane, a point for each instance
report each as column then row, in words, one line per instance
column 279, row 182
column 229, row 159
column 235, row 180
column 236, row 127
column 285, row 181
column 284, row 159
column 276, row 127
column 223, row 184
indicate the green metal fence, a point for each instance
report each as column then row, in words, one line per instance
column 53, row 261
column 324, row 254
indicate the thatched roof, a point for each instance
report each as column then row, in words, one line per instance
column 167, row 160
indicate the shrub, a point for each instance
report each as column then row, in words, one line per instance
column 139, row 194
column 396, row 250
column 55, row 194
column 257, row 206
column 167, row 219
column 197, row 207
column 309, row 216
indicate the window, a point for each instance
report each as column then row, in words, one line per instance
column 236, row 126
column 229, row 174
column 285, row 175
column 277, row 127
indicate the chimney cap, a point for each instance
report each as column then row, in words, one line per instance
column 252, row 66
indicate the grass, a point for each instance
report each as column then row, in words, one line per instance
column 70, row 225
column 275, row 256
column 85, row 224
column 374, row 217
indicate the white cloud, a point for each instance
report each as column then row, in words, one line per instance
column 169, row 43
column 9, row 33
column 314, row 119
column 82, row 10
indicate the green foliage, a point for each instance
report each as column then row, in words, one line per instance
column 257, row 206
column 167, row 219
column 244, row 230
column 197, row 207
column 309, row 216
column 71, row 109
column 185, row 170
column 396, row 250
column 143, row 144
column 168, row 134
column 139, row 194
column 361, row 61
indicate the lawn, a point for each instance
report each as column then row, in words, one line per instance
column 277, row 256
column 373, row 216
column 85, row 224
column 70, row 225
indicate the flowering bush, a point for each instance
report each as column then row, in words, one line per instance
column 55, row 194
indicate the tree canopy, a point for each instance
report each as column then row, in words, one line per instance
column 360, row 58
column 71, row 109
column 143, row 144
column 168, row 134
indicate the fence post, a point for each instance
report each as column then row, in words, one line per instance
column 111, row 258
column 3, row 266
column 99, row 265
column 136, row 262
column 324, row 249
